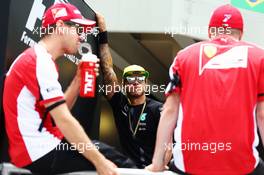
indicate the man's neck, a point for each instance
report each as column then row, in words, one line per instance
column 52, row 47
column 137, row 100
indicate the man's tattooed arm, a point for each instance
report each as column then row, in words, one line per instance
column 109, row 76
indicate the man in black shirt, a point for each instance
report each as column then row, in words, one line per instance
column 136, row 116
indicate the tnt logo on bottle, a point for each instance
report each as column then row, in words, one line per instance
column 88, row 86
column 88, row 75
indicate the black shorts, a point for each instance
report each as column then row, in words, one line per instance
column 259, row 170
column 66, row 160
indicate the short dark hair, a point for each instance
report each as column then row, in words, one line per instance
column 45, row 31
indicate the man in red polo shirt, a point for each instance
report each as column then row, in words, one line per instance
column 216, row 87
column 33, row 99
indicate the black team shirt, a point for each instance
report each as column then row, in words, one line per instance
column 139, row 148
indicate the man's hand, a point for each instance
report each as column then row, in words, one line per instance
column 97, row 66
column 106, row 167
column 101, row 22
column 154, row 168
column 96, row 69
column 167, row 158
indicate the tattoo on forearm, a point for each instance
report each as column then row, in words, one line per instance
column 109, row 75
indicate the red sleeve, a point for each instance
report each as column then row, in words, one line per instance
column 174, row 85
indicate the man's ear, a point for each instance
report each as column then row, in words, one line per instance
column 60, row 27
column 241, row 35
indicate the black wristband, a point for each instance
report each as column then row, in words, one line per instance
column 103, row 37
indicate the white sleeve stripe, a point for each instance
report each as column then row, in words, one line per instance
column 47, row 75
